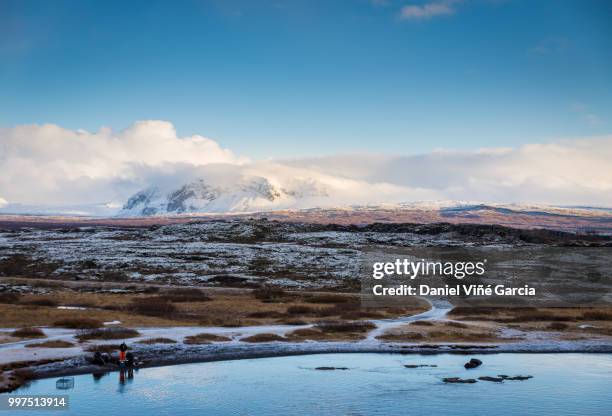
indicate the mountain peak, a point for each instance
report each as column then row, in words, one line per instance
column 252, row 193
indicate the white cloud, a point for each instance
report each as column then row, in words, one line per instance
column 44, row 164
column 49, row 165
column 568, row 172
column 427, row 10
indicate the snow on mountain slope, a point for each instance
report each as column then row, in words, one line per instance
column 249, row 194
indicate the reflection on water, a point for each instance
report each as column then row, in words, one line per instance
column 374, row 384
column 65, row 383
column 125, row 376
column 98, row 376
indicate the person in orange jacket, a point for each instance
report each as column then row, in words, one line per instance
column 122, row 349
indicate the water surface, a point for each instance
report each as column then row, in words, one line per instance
column 374, row 384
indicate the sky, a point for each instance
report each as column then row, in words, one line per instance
column 302, row 78
column 493, row 100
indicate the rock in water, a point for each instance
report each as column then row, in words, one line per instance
column 515, row 378
column 419, row 365
column 473, row 363
column 459, row 380
column 494, row 379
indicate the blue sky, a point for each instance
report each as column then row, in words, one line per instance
column 302, row 78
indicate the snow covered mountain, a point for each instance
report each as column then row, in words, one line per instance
column 249, row 194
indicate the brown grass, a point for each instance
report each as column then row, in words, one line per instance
column 28, row 332
column 441, row 331
column 78, row 323
column 307, row 332
column 181, row 295
column 301, row 310
column 558, row 326
column 266, row 314
column 530, row 314
column 361, row 314
column 205, row 338
column 40, row 301
column 226, row 308
column 154, row 306
column 9, row 297
column 597, row 316
column 422, row 323
column 231, row 322
column 339, row 309
column 455, row 324
column 108, row 333
column 264, row 338
column 331, row 298
column 406, row 336
column 543, row 319
column 51, row 344
column 345, row 326
column 19, row 315
column 270, row 294
column 292, row 321
column 156, row 341
column 315, row 334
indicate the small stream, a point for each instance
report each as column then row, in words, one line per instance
column 439, row 309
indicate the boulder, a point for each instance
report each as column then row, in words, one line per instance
column 473, row 363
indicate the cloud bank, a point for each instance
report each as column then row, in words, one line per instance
column 49, row 165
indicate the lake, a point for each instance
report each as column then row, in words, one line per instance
column 374, row 384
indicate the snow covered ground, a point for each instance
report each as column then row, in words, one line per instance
column 209, row 253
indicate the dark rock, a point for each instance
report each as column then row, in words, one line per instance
column 459, row 380
column 331, row 368
column 419, row 365
column 515, row 378
column 495, row 379
column 473, row 363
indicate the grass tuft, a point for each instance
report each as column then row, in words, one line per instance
column 28, row 332
column 151, row 341
column 51, row 344
column 269, row 294
column 204, row 338
column 345, row 326
column 78, row 323
column 264, row 338
column 108, row 333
